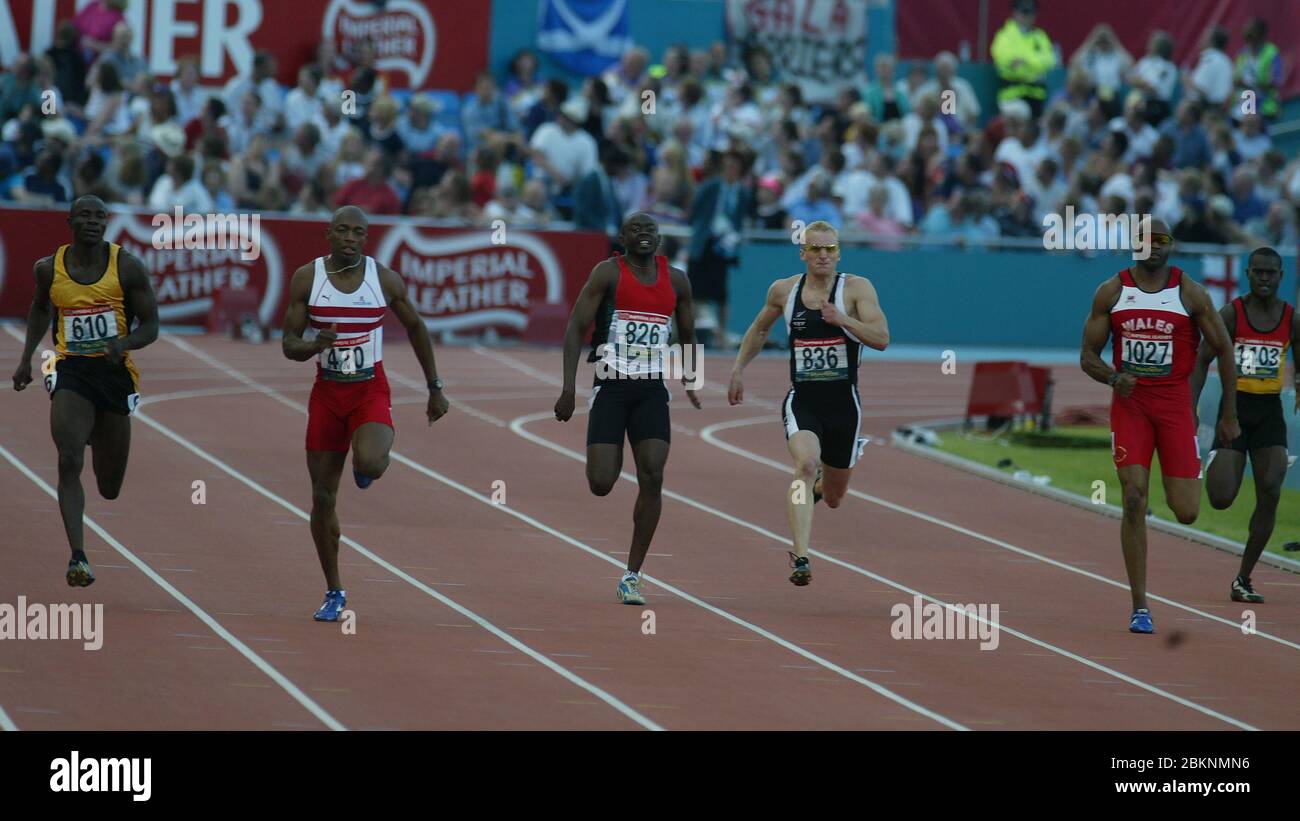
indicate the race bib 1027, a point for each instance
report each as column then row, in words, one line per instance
column 1147, row 357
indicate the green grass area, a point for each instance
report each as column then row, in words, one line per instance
column 1077, row 468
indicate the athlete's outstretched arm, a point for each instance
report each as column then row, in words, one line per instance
column 295, row 320
column 1096, row 330
column 138, row 293
column 1206, row 353
column 1201, row 309
column 584, row 313
column 871, row 329
column 38, row 320
column 756, row 336
column 686, row 328
column 395, row 296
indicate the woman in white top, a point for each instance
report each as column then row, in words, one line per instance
column 107, row 112
column 1104, row 59
column 1155, row 76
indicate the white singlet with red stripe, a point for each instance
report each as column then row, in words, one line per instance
column 359, row 316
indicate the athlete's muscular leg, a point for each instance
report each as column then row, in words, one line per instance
column 325, row 467
column 835, row 483
column 1184, row 498
column 604, row 464
column 72, row 419
column 1269, row 467
column 110, row 445
column 1134, row 480
column 806, row 450
column 650, row 456
column 1223, row 476
column 371, row 444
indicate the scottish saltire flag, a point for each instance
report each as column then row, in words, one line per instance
column 584, row 36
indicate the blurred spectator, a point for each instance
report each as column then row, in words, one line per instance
column 19, row 88
column 178, row 187
column 1246, row 205
column 877, row 221
column 417, row 128
column 1104, row 59
column 926, row 115
column 522, row 88
column 209, row 124
column 963, row 217
column 190, row 96
column 535, row 200
column 350, row 162
column 333, row 127
column 600, row 109
column 1224, row 156
column 1155, row 77
column 382, row 122
column 365, row 79
column 107, row 111
column 596, row 207
column 1211, row 80
column 214, row 184
column 452, row 199
column 89, row 179
column 628, row 76
column 718, row 214
column 1250, row 140
column 768, row 213
column 330, row 72
column 1259, row 69
column 1023, row 55
column 546, row 108
column 1279, row 227
column 372, row 192
column 246, row 122
column 483, row 184
column 1191, row 146
column 507, row 206
column 884, row 94
column 129, row 65
column 254, row 178
column 562, row 149
column 945, row 79
column 1046, row 187
column 127, row 174
column 1141, row 136
column 69, row 66
column 260, row 81
column 95, row 24
column 737, row 117
column 301, row 104
column 486, row 114
column 762, row 77
column 41, row 186
column 304, row 156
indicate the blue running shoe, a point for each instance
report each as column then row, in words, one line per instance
column 1141, row 622
column 629, row 589
column 363, row 482
column 335, row 601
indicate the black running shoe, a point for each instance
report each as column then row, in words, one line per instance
column 801, row 575
column 1242, row 591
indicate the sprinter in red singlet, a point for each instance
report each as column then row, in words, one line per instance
column 345, row 296
column 1151, row 313
column 633, row 299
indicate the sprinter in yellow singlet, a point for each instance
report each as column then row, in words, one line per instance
column 93, row 292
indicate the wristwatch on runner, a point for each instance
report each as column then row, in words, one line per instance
column 436, row 384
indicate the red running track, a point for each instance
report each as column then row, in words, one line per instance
column 477, row 614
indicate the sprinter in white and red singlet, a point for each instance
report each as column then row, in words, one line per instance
column 634, row 299
column 1153, row 315
column 344, row 297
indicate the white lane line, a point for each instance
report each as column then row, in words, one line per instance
column 6, row 723
column 709, row 435
column 423, row 389
column 257, row 661
column 374, row 557
column 559, row 535
column 517, row 426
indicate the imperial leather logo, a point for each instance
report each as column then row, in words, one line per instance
column 402, row 33
column 185, row 279
column 460, row 280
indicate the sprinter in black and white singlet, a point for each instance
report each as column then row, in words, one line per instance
column 830, row 317
column 344, row 296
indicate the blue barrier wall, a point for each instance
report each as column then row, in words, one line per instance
column 950, row 297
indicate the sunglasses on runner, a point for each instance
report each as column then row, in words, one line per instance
column 817, row 249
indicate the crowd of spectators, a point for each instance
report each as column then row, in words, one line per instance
column 712, row 140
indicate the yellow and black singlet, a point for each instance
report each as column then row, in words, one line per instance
column 87, row 316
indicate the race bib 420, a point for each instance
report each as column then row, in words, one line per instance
column 821, row 360
column 86, row 330
column 350, row 359
column 1147, row 357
